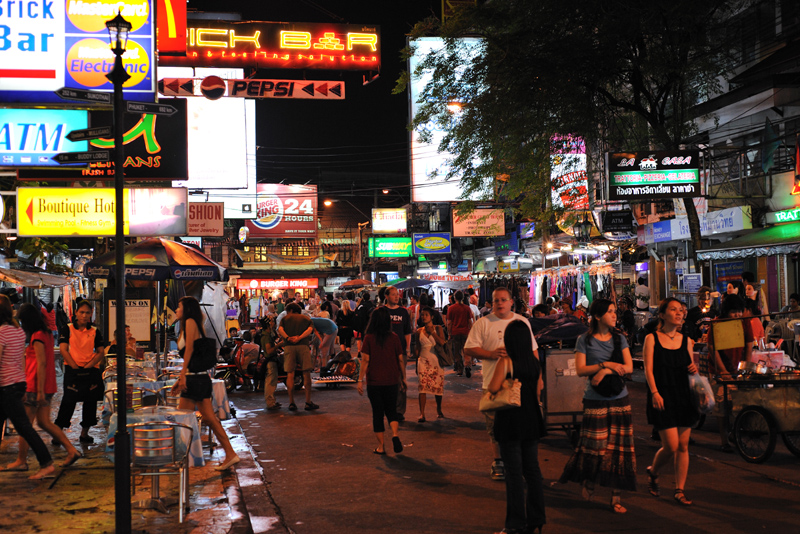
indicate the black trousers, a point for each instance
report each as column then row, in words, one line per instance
column 80, row 385
column 11, row 407
column 384, row 403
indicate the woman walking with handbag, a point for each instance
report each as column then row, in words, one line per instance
column 667, row 366
column 518, row 431
column 605, row 452
column 195, row 388
column 345, row 319
column 430, row 373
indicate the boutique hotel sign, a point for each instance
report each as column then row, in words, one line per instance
column 49, row 44
column 389, row 247
column 651, row 175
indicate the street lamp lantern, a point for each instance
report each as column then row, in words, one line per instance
column 118, row 29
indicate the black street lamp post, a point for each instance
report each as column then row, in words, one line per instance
column 118, row 29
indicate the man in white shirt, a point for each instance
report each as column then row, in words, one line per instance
column 485, row 342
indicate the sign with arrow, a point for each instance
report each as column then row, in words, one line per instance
column 89, row 133
column 306, row 89
column 149, row 108
column 83, row 95
column 83, row 157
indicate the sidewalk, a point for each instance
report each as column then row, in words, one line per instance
column 80, row 499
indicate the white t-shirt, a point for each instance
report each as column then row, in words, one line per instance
column 476, row 312
column 487, row 334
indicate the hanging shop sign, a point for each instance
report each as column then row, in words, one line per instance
column 294, row 283
column 206, row 219
column 432, row 243
column 32, row 137
column 284, row 211
column 481, row 222
column 652, row 175
column 508, row 266
column 69, row 211
column 155, row 149
column 776, row 217
column 286, row 89
column 618, row 221
column 389, row 247
column 727, row 272
column 280, row 45
column 389, row 221
column 47, row 45
column 171, row 20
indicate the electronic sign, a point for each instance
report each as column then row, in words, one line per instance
column 155, row 149
column 432, row 243
column 32, row 137
column 291, row 283
column 652, row 175
column 284, row 211
column 279, row 45
column 47, row 45
column 481, row 222
column 389, row 247
column 389, row 220
column 287, row 89
column 569, row 185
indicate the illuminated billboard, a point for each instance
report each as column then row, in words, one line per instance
column 206, row 219
column 429, row 167
column 653, row 175
column 389, row 220
column 71, row 211
column 155, row 149
column 389, row 247
column 569, row 185
column 31, row 137
column 171, row 20
column 47, row 45
column 481, row 222
column 292, row 283
column 280, row 45
column 432, row 243
column 284, row 211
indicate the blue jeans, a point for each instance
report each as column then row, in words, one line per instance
column 521, row 461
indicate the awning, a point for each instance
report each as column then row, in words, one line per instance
column 779, row 239
column 32, row 279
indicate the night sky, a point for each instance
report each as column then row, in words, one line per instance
column 364, row 135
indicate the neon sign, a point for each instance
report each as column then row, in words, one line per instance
column 280, row 45
column 791, row 215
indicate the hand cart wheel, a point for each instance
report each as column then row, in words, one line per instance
column 792, row 442
column 755, row 435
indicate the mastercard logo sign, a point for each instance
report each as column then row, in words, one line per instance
column 89, row 60
column 92, row 15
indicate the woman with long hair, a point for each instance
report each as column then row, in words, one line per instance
column 518, row 431
column 604, row 454
column 430, row 373
column 12, row 390
column 667, row 366
column 40, row 375
column 344, row 320
column 383, row 372
column 195, row 388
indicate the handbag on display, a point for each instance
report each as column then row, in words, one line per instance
column 509, row 396
column 204, row 355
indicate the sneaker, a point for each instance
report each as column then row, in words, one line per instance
column 498, row 471
column 468, row 372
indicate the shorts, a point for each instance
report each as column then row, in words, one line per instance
column 30, row 399
column 294, row 355
column 198, row 387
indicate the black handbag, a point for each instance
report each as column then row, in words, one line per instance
column 204, row 355
column 612, row 384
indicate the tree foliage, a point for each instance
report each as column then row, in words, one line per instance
column 622, row 74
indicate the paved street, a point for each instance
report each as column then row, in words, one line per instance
column 321, row 475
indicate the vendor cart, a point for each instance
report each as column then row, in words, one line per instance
column 763, row 406
column 562, row 396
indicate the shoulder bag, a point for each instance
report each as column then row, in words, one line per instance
column 509, row 396
column 612, row 384
column 204, row 355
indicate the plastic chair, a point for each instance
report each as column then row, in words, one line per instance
column 136, row 393
column 154, row 453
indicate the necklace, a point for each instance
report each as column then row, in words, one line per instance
column 675, row 333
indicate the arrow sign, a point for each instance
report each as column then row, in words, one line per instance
column 83, row 95
column 150, row 108
column 83, row 157
column 89, row 133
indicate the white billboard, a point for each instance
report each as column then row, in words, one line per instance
column 389, row 221
column 429, row 166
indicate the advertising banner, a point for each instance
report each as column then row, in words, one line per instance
column 206, row 219
column 389, row 220
column 155, row 149
column 568, row 174
column 295, row 283
column 618, row 221
column 482, row 222
column 284, row 211
column 653, row 175
column 727, row 272
column 280, row 45
column 171, row 19
column 31, row 137
column 47, row 45
column 69, row 211
column 507, row 245
column 286, row 89
column 432, row 243
column 389, row 247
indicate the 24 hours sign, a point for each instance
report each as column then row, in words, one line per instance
column 284, row 211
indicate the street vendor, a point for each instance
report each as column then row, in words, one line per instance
column 82, row 349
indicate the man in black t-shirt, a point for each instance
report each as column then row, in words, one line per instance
column 401, row 325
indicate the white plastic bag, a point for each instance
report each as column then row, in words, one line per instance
column 702, row 394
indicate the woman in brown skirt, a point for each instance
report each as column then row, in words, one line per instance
column 604, row 454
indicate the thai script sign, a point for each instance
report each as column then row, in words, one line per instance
column 649, row 175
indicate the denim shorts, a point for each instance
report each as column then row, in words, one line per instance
column 30, row 399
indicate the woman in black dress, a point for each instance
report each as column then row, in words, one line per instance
column 667, row 366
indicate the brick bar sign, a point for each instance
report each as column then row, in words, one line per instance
column 205, row 219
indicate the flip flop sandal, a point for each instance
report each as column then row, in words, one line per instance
column 381, row 453
column 69, row 461
column 398, row 446
column 23, row 467
column 652, row 483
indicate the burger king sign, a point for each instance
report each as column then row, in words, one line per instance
column 284, row 211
